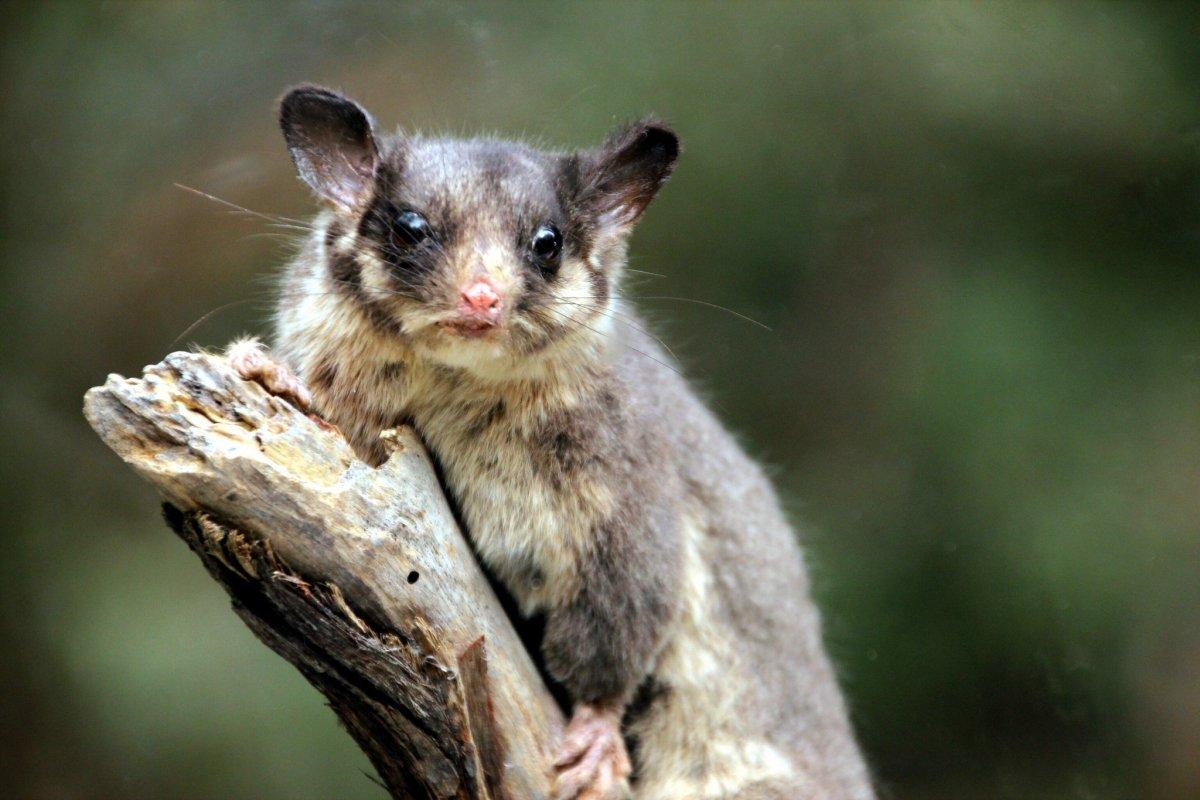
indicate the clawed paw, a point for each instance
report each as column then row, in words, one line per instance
column 251, row 361
column 592, row 763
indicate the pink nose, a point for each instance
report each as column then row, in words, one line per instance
column 480, row 299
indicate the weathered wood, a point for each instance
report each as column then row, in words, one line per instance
column 357, row 576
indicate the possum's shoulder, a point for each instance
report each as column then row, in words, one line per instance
column 688, row 434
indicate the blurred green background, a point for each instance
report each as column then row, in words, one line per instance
column 974, row 230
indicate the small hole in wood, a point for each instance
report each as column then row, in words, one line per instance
column 413, row 576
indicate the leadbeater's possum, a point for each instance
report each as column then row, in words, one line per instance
column 471, row 289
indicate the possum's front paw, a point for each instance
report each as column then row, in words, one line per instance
column 592, row 763
column 251, row 360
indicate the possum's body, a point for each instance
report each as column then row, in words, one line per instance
column 592, row 482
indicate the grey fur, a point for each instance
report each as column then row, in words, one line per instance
column 592, row 480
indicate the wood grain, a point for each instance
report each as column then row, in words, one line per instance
column 358, row 576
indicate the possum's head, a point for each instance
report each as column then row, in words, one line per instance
column 474, row 251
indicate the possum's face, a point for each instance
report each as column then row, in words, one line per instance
column 476, row 252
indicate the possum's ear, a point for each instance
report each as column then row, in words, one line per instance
column 622, row 177
column 332, row 142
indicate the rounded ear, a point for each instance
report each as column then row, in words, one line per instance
column 629, row 169
column 332, row 143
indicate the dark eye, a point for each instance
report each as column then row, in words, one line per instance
column 546, row 245
column 409, row 228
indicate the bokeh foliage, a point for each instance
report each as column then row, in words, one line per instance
column 974, row 230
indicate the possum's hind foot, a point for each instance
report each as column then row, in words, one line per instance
column 250, row 359
column 592, row 763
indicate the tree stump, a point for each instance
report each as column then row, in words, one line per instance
column 358, row 576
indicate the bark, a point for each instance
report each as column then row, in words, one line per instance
column 358, row 576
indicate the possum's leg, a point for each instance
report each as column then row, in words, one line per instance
column 250, row 359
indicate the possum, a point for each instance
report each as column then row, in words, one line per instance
column 471, row 288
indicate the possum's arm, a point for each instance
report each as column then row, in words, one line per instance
column 601, row 641
column 602, row 638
